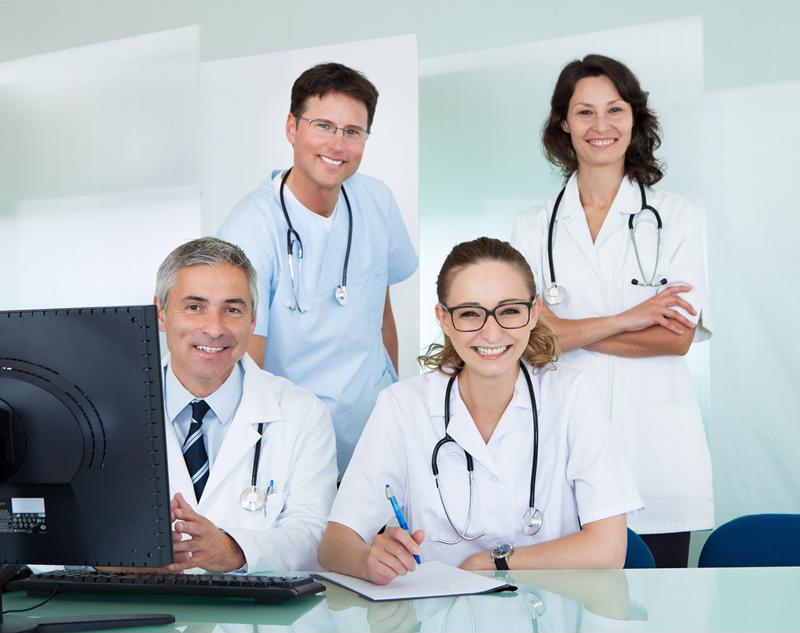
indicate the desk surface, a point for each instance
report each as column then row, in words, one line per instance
column 757, row 599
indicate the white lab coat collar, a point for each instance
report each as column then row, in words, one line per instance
column 257, row 405
column 462, row 428
column 627, row 201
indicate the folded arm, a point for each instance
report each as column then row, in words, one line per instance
column 651, row 328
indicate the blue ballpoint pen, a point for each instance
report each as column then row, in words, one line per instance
column 399, row 514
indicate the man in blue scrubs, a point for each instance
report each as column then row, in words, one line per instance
column 324, row 319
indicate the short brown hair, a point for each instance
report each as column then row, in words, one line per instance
column 323, row 79
column 641, row 164
column 542, row 346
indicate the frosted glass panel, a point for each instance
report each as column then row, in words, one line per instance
column 98, row 169
column 753, row 227
column 481, row 117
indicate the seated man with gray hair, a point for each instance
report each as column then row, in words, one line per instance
column 252, row 457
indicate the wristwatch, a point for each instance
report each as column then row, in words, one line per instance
column 500, row 555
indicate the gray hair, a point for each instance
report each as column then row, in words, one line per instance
column 209, row 251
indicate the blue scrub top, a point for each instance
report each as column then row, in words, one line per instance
column 334, row 351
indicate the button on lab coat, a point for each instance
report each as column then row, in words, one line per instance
column 651, row 401
column 581, row 475
column 297, row 453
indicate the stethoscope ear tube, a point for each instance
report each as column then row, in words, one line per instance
column 550, row 231
column 340, row 292
column 553, row 293
column 650, row 283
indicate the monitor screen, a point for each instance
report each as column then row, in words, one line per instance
column 83, row 471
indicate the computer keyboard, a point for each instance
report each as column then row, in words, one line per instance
column 264, row 589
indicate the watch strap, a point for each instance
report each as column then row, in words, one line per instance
column 501, row 562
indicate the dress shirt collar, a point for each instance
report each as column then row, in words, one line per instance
column 223, row 402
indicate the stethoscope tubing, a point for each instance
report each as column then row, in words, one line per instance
column 462, row 534
column 257, row 454
column 632, row 231
column 292, row 232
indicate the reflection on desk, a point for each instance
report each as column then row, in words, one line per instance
column 581, row 600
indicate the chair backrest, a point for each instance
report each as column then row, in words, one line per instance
column 638, row 555
column 755, row 540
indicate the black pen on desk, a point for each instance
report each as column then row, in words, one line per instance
column 398, row 513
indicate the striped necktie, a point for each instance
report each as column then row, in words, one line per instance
column 194, row 449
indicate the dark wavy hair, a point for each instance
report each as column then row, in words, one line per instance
column 640, row 163
column 542, row 348
column 323, row 79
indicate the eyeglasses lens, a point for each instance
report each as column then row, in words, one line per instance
column 509, row 316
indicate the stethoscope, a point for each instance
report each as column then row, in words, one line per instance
column 534, row 605
column 340, row 293
column 252, row 498
column 532, row 519
column 554, row 293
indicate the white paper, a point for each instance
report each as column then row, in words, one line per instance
column 428, row 580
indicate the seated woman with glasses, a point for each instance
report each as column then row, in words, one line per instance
column 498, row 458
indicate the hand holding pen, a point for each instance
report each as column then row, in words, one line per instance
column 395, row 551
column 398, row 513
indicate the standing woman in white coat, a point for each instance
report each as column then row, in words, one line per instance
column 623, row 272
column 498, row 421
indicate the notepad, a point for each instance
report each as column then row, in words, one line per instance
column 432, row 579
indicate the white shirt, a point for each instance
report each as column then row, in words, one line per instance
column 651, row 401
column 581, row 476
column 223, row 404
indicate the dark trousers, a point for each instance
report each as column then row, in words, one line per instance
column 670, row 549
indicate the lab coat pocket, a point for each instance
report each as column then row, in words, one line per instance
column 657, row 380
column 266, row 516
column 632, row 294
column 669, row 455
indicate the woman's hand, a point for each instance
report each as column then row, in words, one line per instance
column 481, row 561
column 392, row 554
column 659, row 310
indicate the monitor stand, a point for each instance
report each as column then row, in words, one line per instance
column 28, row 624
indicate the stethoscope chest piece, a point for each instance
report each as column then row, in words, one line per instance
column 252, row 499
column 341, row 295
column 553, row 294
column 532, row 521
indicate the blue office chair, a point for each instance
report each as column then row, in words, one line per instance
column 638, row 555
column 755, row 540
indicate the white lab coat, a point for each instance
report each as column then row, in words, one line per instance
column 651, row 401
column 298, row 453
column 581, row 475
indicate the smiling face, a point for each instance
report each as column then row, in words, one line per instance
column 492, row 351
column 208, row 320
column 599, row 123
column 322, row 162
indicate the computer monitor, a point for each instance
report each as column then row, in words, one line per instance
column 83, row 466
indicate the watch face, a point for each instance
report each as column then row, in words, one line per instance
column 502, row 550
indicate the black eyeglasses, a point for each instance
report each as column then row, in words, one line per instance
column 471, row 318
